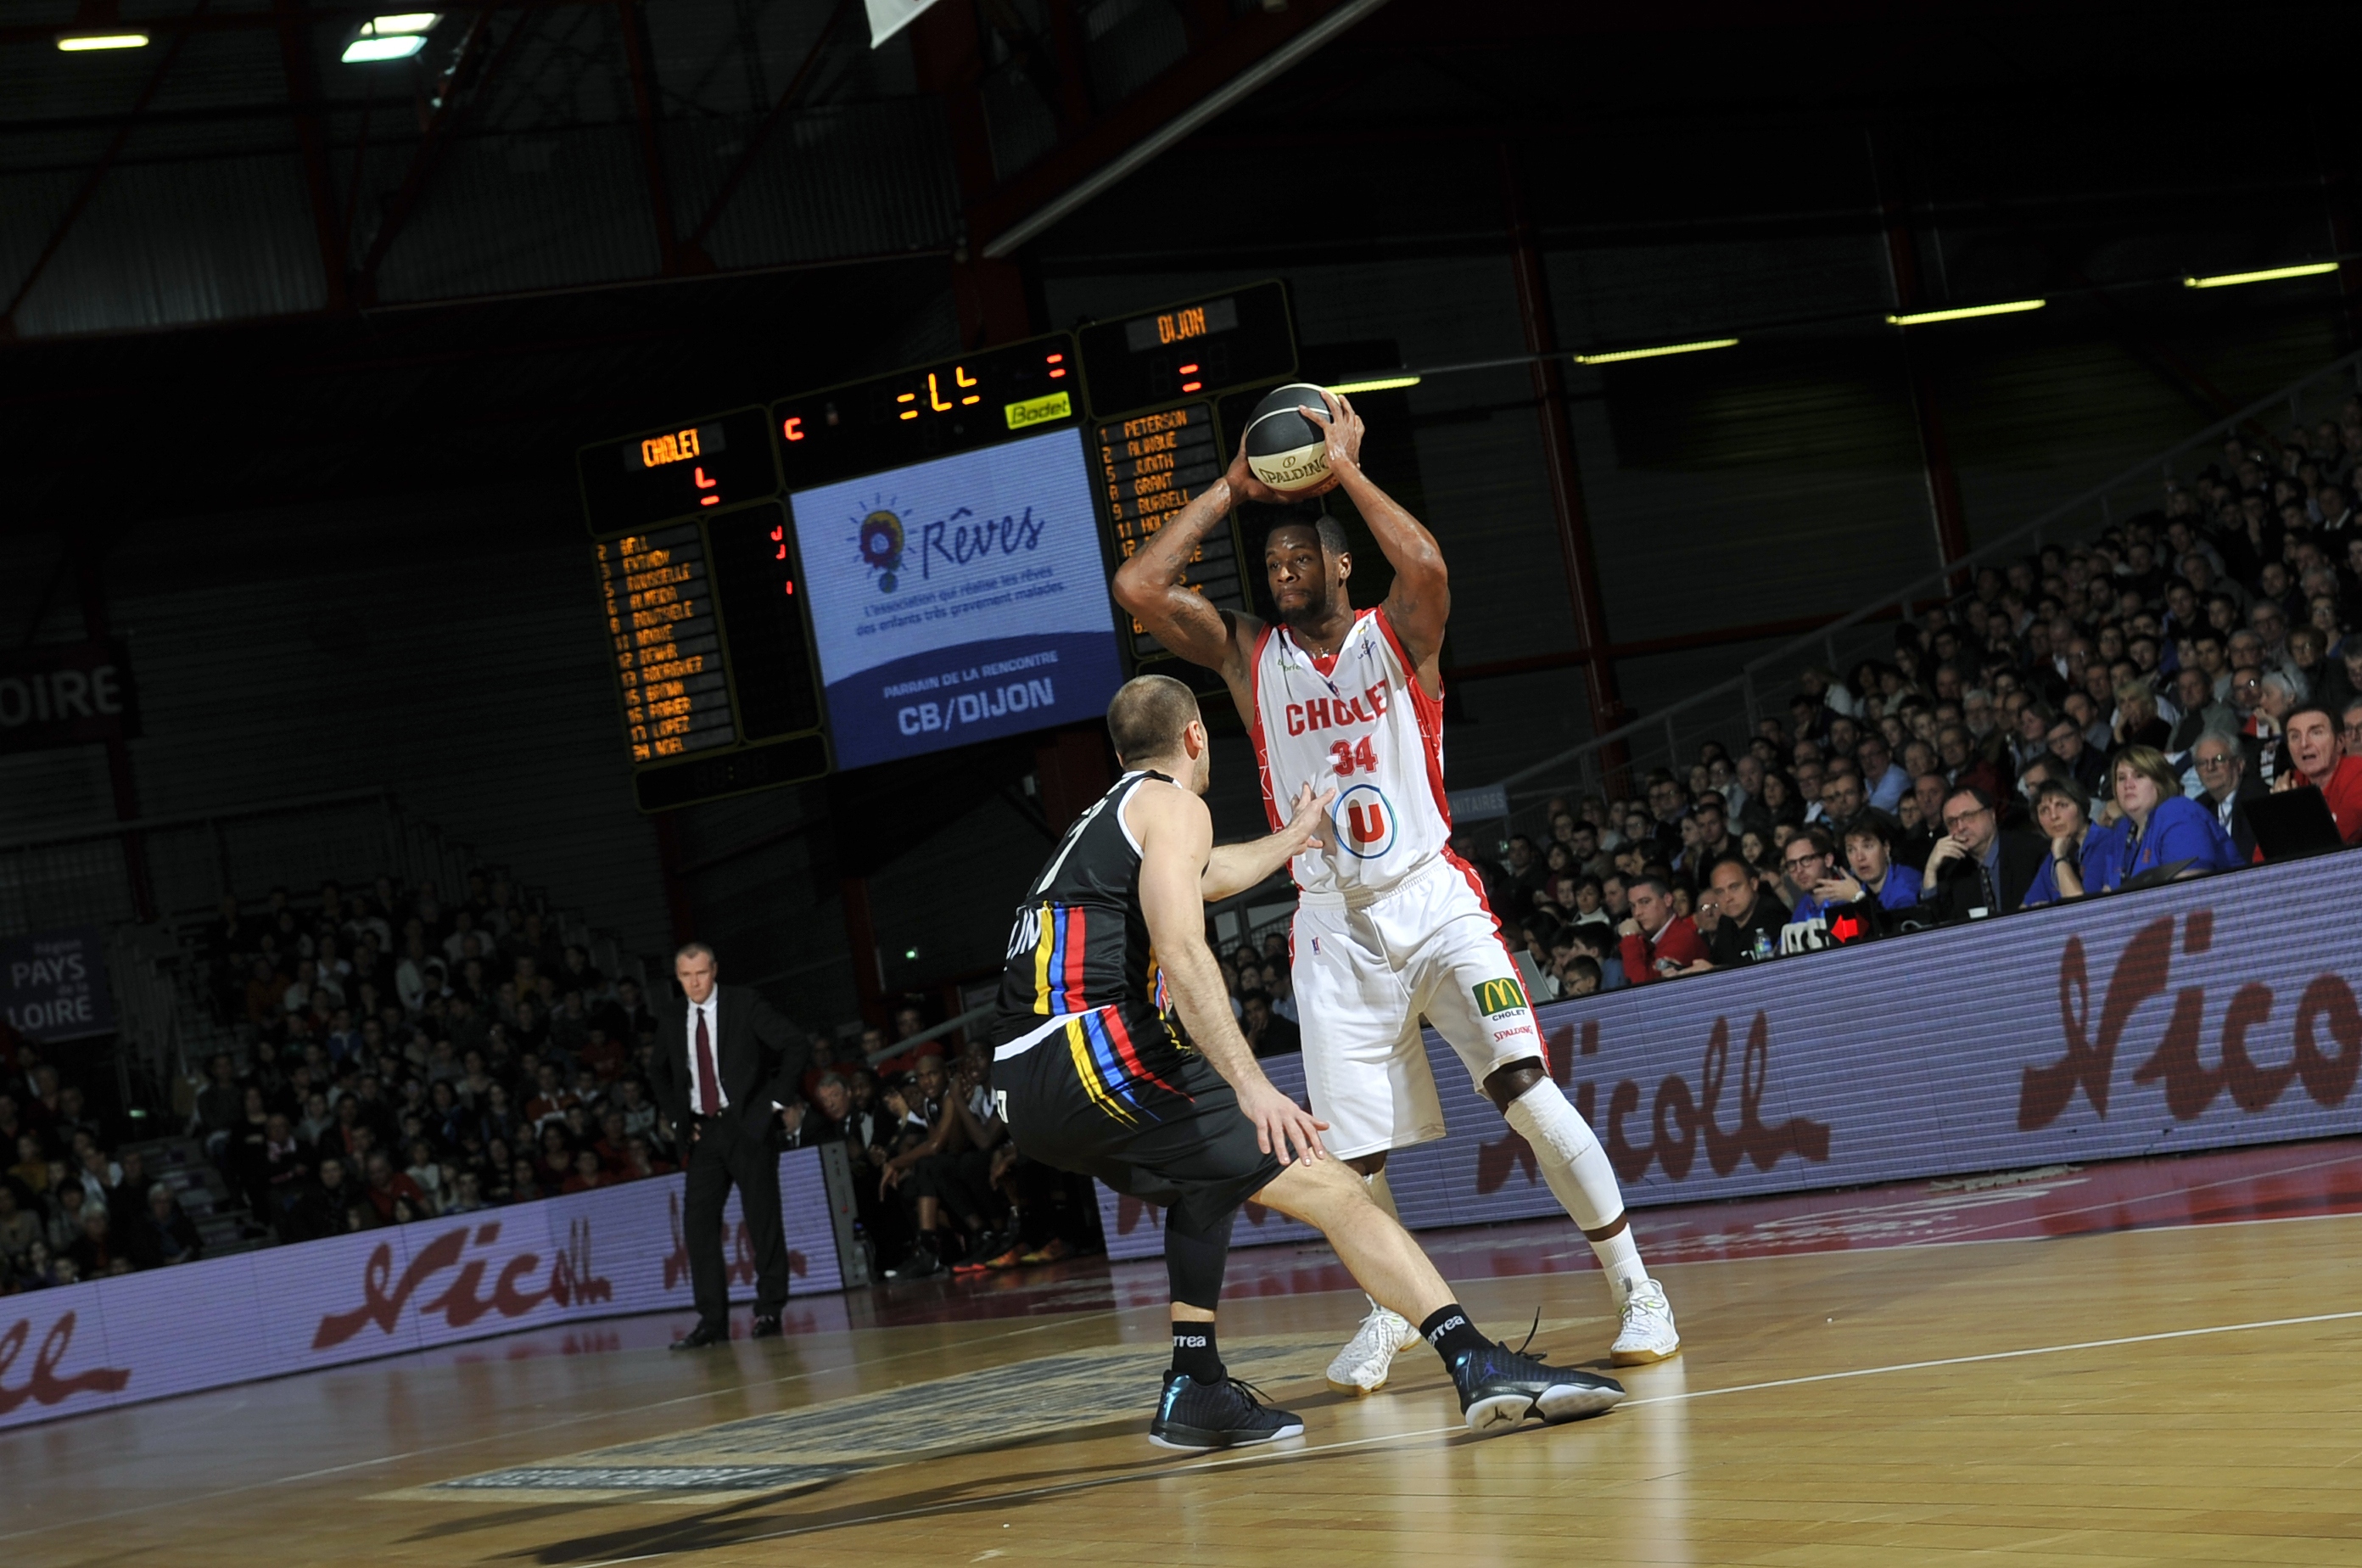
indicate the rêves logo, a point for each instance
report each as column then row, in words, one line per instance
column 2143, row 973
column 42, row 1385
column 1680, row 1118
column 570, row 1280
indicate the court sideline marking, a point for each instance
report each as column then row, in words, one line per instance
column 1290, row 1455
column 1119, row 1311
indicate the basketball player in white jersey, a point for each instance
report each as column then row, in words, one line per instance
column 1390, row 924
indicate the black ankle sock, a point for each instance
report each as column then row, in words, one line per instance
column 1194, row 1352
column 1449, row 1332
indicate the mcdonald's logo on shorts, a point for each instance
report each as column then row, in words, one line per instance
column 1494, row 998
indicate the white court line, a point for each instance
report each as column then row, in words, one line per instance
column 1284, row 1455
column 188, row 1499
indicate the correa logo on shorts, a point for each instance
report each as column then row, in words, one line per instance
column 1494, row 998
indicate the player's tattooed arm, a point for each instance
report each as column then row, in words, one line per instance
column 1151, row 587
column 1235, row 867
column 1177, row 837
column 1420, row 600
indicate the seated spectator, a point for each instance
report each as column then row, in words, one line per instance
column 388, row 1186
column 2079, row 848
column 2137, row 721
column 97, row 1252
column 2221, row 765
column 2069, row 745
column 1267, row 1032
column 2312, row 747
column 1870, row 872
column 163, row 1233
column 1658, row 943
column 2160, row 826
column 589, row 1175
column 1976, row 870
column 1580, row 976
column 1808, row 863
column 20, row 1228
column 466, row 1195
column 427, row 1173
column 320, row 1207
column 1748, row 923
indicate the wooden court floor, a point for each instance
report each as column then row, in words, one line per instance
column 2129, row 1364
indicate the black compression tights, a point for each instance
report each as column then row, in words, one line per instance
column 1193, row 1259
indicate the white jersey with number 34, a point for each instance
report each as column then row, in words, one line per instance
column 1363, row 725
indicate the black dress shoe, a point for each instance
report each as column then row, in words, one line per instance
column 699, row 1337
column 766, row 1328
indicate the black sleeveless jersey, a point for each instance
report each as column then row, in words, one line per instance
column 1080, row 940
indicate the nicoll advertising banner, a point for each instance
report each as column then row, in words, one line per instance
column 2192, row 1016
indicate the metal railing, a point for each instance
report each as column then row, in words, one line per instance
column 1731, row 710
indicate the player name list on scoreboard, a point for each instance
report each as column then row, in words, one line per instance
column 659, row 604
column 1153, row 465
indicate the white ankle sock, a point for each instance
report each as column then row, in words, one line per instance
column 1579, row 1175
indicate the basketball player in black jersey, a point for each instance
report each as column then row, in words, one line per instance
column 1092, row 1073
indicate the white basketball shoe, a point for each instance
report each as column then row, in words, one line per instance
column 1648, row 1333
column 1361, row 1366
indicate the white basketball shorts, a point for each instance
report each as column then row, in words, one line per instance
column 1364, row 974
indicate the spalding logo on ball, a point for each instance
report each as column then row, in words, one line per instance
column 1287, row 451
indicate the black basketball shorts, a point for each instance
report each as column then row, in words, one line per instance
column 1111, row 1095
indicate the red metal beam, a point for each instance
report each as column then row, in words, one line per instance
column 762, row 133
column 96, row 177
column 1903, row 264
column 297, row 61
column 1582, row 565
column 648, row 114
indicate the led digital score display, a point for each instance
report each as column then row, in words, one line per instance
column 658, row 596
column 929, row 411
column 1198, row 347
column 1153, row 465
column 689, row 470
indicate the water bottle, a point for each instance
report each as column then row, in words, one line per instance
column 1763, row 949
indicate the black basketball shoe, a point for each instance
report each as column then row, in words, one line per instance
column 1501, row 1389
column 1229, row 1414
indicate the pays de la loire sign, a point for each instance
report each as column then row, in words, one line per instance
column 54, row 694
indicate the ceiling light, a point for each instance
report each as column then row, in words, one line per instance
column 83, row 43
column 1376, row 383
column 368, row 48
column 1922, row 317
column 406, row 22
column 1614, row 356
column 2224, row 280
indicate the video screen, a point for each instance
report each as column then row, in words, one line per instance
column 958, row 600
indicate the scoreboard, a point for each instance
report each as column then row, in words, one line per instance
column 916, row 560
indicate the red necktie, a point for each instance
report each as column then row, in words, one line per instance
column 709, row 1087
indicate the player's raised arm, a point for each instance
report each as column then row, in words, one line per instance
column 1177, row 837
column 1150, row 584
column 1235, row 867
column 1420, row 600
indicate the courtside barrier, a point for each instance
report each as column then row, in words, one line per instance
column 236, row 1320
column 2195, row 1016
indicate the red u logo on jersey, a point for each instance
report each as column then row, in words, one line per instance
column 1366, row 822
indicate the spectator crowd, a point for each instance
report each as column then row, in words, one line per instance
column 73, row 1207
column 2087, row 719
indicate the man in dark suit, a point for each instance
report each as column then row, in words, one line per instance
column 2222, row 767
column 1976, row 865
column 727, row 1070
